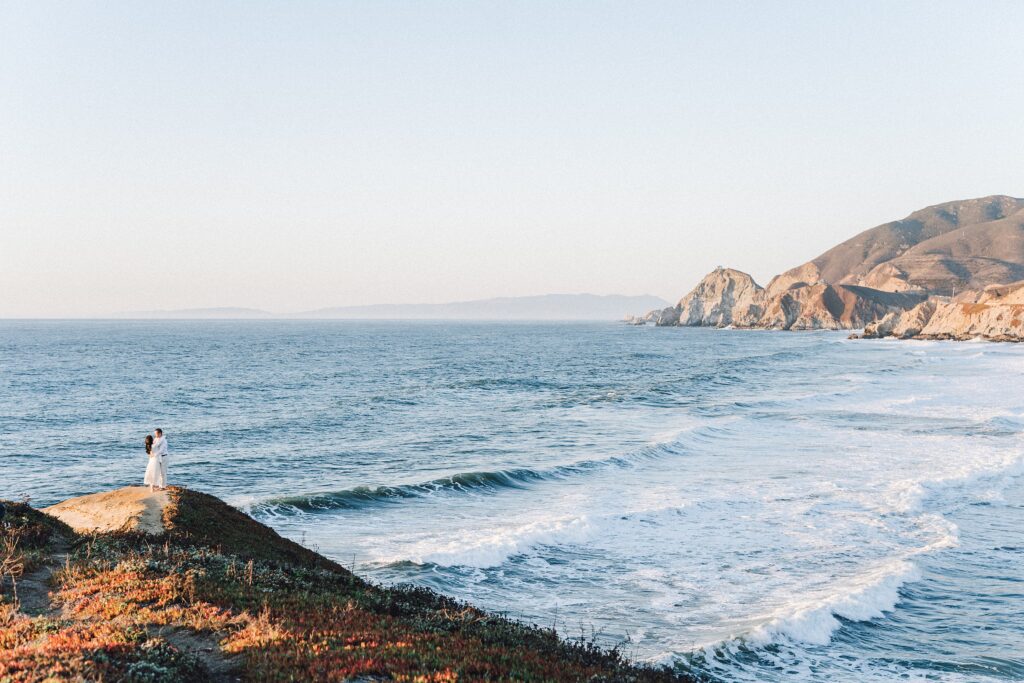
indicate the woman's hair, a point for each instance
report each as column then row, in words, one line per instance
column 149, row 443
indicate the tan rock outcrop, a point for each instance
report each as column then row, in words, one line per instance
column 913, row 321
column 889, row 277
column 801, row 276
column 1011, row 294
column 649, row 317
column 132, row 508
column 902, row 325
column 667, row 316
column 724, row 297
column 997, row 313
column 728, row 297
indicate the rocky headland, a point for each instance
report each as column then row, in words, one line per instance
column 730, row 298
column 995, row 313
column 938, row 271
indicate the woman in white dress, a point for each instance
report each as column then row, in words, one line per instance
column 154, row 476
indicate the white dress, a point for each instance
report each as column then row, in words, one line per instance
column 154, row 475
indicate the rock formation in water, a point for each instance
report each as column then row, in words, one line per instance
column 996, row 313
column 649, row 317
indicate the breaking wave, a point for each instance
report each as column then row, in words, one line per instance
column 486, row 482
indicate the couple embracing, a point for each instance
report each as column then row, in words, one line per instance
column 156, row 470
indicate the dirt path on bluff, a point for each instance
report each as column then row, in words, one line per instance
column 33, row 589
column 205, row 647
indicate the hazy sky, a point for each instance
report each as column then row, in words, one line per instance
column 295, row 155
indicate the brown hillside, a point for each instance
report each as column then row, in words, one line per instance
column 967, row 243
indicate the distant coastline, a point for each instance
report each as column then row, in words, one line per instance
column 542, row 307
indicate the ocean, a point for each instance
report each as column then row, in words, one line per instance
column 755, row 506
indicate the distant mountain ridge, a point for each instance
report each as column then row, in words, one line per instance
column 937, row 251
column 543, row 307
column 218, row 313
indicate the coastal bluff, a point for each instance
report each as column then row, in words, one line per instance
column 731, row 298
column 996, row 313
column 177, row 585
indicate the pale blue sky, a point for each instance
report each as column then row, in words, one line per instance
column 294, row 155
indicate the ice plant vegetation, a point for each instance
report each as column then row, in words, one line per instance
column 221, row 597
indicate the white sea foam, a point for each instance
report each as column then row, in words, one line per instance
column 868, row 596
column 909, row 495
column 491, row 550
column 798, row 510
column 491, row 547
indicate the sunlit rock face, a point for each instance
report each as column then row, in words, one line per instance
column 880, row 278
column 724, row 297
column 996, row 313
column 728, row 297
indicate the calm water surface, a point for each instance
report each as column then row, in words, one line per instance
column 760, row 506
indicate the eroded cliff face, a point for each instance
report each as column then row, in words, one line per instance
column 728, row 297
column 801, row 276
column 902, row 325
column 995, row 313
column 724, row 297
